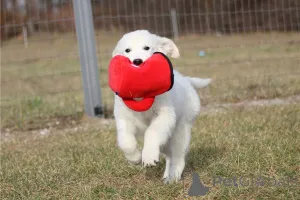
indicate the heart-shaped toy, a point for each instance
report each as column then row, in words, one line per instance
column 153, row 77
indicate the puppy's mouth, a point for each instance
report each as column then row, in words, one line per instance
column 138, row 99
column 135, row 65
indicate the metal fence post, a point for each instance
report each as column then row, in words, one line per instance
column 88, row 57
column 174, row 24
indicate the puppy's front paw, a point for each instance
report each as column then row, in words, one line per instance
column 174, row 174
column 171, row 179
column 134, row 158
column 150, row 156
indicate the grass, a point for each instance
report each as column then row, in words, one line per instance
column 86, row 164
column 41, row 88
column 43, row 81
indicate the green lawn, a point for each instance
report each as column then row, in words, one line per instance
column 84, row 162
column 43, row 82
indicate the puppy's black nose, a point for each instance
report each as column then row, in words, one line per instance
column 137, row 61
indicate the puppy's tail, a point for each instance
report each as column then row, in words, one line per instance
column 198, row 83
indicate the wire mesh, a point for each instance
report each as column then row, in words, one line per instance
column 250, row 48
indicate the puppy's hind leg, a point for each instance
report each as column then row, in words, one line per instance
column 179, row 145
column 166, row 151
column 168, row 165
column 127, row 141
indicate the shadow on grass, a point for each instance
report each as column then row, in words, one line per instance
column 155, row 173
column 198, row 158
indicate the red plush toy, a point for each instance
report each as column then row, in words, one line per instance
column 153, row 77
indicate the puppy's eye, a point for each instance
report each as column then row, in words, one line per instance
column 146, row 48
column 127, row 50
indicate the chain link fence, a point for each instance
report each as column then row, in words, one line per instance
column 249, row 47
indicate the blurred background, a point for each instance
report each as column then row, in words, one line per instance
column 250, row 48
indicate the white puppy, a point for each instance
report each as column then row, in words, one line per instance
column 166, row 126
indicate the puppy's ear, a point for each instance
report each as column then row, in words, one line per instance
column 168, row 47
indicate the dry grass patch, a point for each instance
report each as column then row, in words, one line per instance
column 44, row 81
column 86, row 164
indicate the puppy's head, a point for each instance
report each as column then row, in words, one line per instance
column 139, row 45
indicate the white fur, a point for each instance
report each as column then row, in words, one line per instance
column 166, row 126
